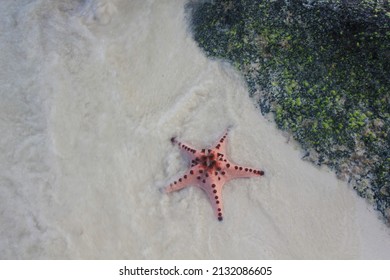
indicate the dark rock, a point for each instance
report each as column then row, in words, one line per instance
column 322, row 68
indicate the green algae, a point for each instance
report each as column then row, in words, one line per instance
column 323, row 69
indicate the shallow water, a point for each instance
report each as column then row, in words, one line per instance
column 91, row 93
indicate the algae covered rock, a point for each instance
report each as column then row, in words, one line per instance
column 322, row 68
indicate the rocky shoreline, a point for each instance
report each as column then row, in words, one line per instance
column 322, row 70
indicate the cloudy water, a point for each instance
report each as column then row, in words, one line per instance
column 91, row 93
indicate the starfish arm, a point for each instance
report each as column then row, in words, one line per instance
column 237, row 171
column 191, row 152
column 189, row 178
column 213, row 188
column 220, row 146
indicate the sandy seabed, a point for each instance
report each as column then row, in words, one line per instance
column 91, row 93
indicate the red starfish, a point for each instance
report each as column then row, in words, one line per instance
column 210, row 169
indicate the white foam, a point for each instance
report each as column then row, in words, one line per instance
column 92, row 92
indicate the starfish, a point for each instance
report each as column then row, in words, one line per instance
column 210, row 169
